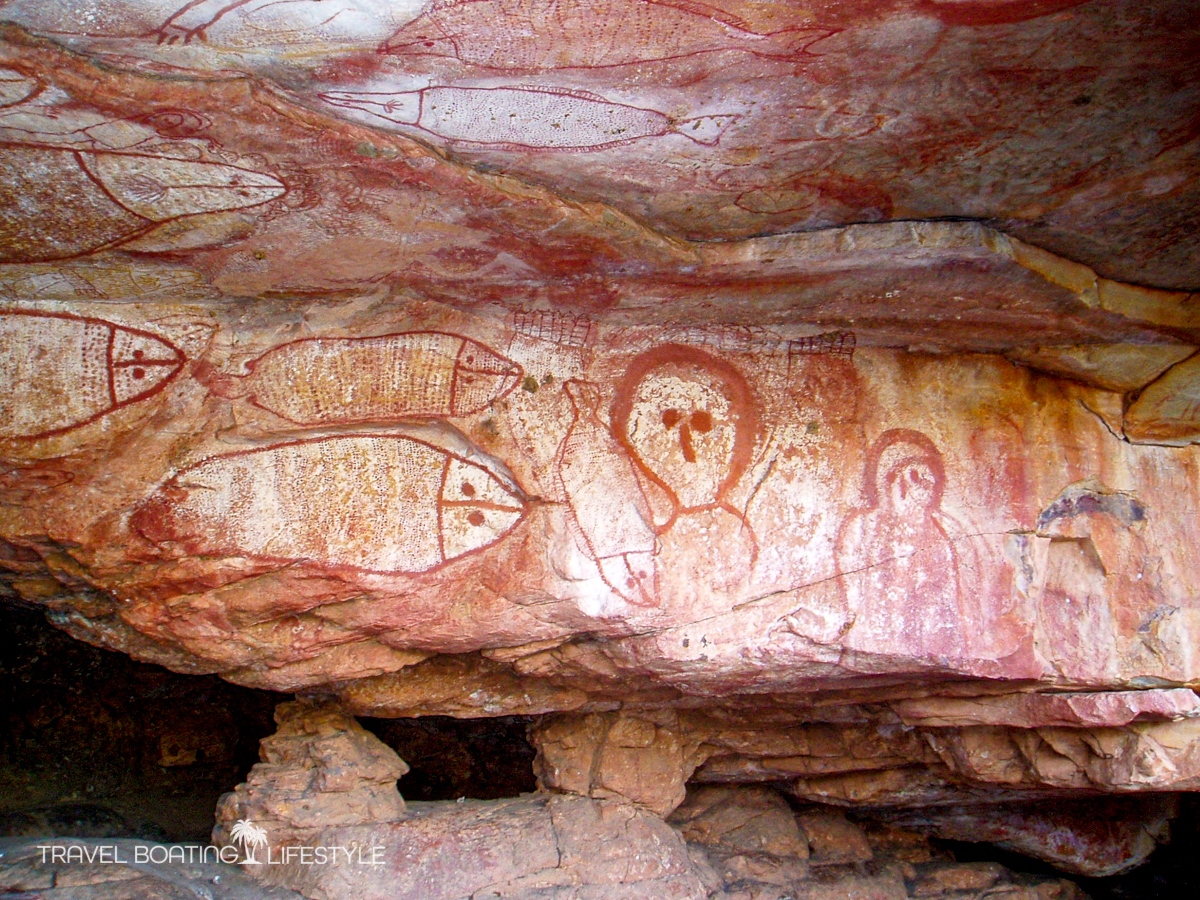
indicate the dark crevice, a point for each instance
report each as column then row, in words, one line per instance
column 94, row 744
column 483, row 759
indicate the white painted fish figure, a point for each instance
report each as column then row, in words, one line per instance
column 525, row 118
column 372, row 503
column 411, row 375
column 58, row 203
column 59, row 371
column 542, row 35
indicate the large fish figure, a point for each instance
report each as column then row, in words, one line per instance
column 541, row 35
column 525, row 118
column 60, row 371
column 59, row 203
column 373, row 503
column 412, row 375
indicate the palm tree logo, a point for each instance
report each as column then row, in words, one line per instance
column 250, row 836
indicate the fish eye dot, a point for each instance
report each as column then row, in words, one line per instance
column 139, row 373
column 139, row 354
column 475, row 518
column 468, row 489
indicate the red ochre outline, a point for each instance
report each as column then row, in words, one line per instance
column 926, row 451
column 13, row 66
column 698, row 10
column 670, row 124
column 112, row 393
column 157, row 507
column 253, row 398
column 742, row 404
column 151, row 224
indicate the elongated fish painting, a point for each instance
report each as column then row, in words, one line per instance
column 373, row 503
column 525, row 118
column 58, row 203
column 412, row 375
column 59, row 371
column 540, row 35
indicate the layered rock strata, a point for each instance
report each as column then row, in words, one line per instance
column 722, row 843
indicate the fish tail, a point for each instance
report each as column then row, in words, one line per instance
column 219, row 383
column 706, row 130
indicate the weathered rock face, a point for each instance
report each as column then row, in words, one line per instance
column 321, row 769
column 711, row 380
column 723, row 843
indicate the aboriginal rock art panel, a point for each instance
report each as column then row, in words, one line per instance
column 524, row 118
column 59, row 371
column 899, row 569
column 380, row 504
column 542, row 35
column 411, row 375
column 57, row 203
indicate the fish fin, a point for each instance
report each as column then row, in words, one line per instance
column 706, row 130
column 222, row 385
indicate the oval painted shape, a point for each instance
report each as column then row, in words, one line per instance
column 416, row 374
column 375, row 503
column 59, row 371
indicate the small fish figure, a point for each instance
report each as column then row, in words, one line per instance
column 525, row 118
column 372, row 503
column 59, row 203
column 542, row 35
column 59, row 371
column 411, row 375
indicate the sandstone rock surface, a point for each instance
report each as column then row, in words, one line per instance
column 758, row 392
column 726, row 842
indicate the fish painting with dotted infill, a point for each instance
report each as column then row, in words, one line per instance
column 411, row 375
column 60, row 371
column 525, row 118
column 537, row 36
column 375, row 503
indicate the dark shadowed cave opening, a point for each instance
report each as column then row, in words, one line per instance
column 94, row 744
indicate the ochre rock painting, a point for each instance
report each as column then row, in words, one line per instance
column 525, row 118
column 381, row 504
column 532, row 36
column 899, row 545
column 641, row 363
column 421, row 374
column 60, row 371
column 745, row 490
